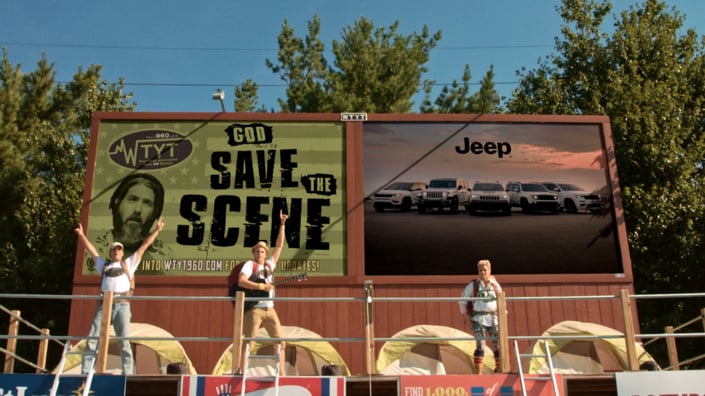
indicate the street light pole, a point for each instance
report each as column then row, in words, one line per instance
column 219, row 95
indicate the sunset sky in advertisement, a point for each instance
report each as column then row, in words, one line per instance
column 539, row 152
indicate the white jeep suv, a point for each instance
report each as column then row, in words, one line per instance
column 489, row 196
column 398, row 195
column 444, row 193
column 531, row 197
column 574, row 199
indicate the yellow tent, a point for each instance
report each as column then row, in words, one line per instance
column 432, row 356
column 151, row 356
column 305, row 357
column 582, row 356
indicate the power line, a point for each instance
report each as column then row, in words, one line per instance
column 201, row 85
column 162, row 48
column 509, row 46
column 131, row 47
column 218, row 85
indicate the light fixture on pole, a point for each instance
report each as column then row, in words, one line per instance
column 220, row 96
column 496, row 99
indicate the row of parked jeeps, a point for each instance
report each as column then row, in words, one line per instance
column 452, row 193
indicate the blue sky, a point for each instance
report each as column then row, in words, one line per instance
column 174, row 54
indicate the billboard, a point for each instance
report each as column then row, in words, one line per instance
column 561, row 232
column 220, row 181
column 219, row 187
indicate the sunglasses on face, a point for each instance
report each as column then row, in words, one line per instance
column 117, row 248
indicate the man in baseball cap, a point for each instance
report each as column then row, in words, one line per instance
column 116, row 276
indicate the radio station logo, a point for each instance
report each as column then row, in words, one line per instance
column 150, row 149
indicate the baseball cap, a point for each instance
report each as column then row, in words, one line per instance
column 116, row 244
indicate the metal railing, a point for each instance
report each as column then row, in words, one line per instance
column 13, row 331
column 43, row 337
column 670, row 336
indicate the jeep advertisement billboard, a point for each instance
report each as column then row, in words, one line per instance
column 524, row 228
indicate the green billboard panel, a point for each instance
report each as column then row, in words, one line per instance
column 219, row 187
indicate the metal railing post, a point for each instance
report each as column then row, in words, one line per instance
column 369, row 330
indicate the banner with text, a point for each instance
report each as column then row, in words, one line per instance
column 291, row 386
column 661, row 383
column 476, row 385
column 220, row 187
column 40, row 384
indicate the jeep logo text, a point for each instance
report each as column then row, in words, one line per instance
column 499, row 148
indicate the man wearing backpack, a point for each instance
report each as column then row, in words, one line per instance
column 482, row 314
column 117, row 276
column 256, row 274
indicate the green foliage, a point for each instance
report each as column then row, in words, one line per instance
column 458, row 99
column 374, row 69
column 648, row 76
column 246, row 98
column 303, row 68
column 378, row 70
column 44, row 132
